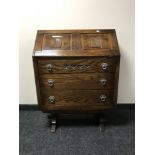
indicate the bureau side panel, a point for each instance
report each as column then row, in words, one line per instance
column 36, row 74
column 116, row 79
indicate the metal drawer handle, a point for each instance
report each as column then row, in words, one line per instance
column 103, row 82
column 103, row 98
column 50, row 83
column 51, row 99
column 49, row 67
column 104, row 66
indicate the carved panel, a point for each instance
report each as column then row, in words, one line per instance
column 56, row 42
column 105, row 42
column 95, row 41
column 76, row 66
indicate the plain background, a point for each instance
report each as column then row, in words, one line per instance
column 77, row 14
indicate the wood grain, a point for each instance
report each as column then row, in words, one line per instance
column 76, row 43
column 76, row 81
column 77, row 97
column 77, row 87
column 59, row 65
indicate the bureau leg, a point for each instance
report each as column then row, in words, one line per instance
column 52, row 122
column 102, row 123
column 53, row 125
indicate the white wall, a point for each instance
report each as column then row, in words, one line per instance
column 77, row 14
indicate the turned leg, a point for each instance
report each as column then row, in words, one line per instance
column 102, row 123
column 52, row 122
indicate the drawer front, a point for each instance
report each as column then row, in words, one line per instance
column 76, row 66
column 77, row 97
column 76, row 81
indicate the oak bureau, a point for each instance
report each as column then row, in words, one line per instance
column 76, row 71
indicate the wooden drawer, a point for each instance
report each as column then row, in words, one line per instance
column 76, row 81
column 77, row 66
column 77, row 97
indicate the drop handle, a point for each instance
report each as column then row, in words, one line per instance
column 51, row 83
column 104, row 66
column 103, row 82
column 49, row 67
column 51, row 99
column 103, row 98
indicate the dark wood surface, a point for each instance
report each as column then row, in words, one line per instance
column 76, row 57
column 48, row 108
column 94, row 64
column 76, row 43
column 76, row 97
column 36, row 75
column 76, row 81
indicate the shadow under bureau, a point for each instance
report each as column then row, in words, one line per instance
column 76, row 71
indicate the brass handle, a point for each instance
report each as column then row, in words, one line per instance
column 51, row 99
column 104, row 66
column 103, row 98
column 50, row 83
column 103, row 82
column 49, row 67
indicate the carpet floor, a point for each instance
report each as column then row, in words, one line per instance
column 77, row 138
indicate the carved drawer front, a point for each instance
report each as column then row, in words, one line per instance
column 77, row 81
column 76, row 66
column 77, row 97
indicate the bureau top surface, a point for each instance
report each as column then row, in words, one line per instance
column 94, row 42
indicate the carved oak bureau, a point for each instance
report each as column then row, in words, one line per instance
column 76, row 71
